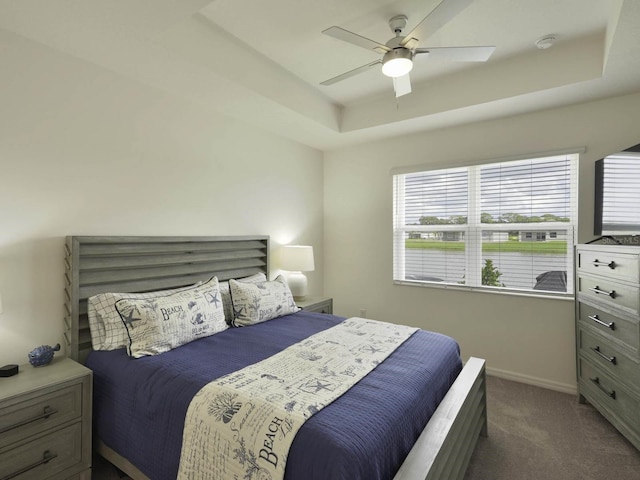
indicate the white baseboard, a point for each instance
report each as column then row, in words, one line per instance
column 535, row 381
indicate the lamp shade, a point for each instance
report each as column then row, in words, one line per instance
column 297, row 258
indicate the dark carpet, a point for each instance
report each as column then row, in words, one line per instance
column 535, row 433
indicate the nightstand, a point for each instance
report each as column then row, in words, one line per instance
column 45, row 422
column 316, row 304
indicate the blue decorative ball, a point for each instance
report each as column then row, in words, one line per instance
column 42, row 355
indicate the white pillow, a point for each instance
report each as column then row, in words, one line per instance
column 226, row 293
column 259, row 302
column 106, row 327
column 159, row 324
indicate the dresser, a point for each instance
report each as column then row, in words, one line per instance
column 608, row 333
column 45, row 422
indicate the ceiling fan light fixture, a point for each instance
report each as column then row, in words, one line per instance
column 397, row 62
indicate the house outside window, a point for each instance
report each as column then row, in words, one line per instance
column 505, row 226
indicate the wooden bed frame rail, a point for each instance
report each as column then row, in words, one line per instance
column 96, row 264
column 444, row 448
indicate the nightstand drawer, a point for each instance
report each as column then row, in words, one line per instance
column 609, row 394
column 616, row 328
column 322, row 307
column 44, row 457
column 612, row 264
column 31, row 414
column 317, row 304
column 605, row 355
column 610, row 293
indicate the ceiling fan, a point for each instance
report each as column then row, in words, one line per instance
column 399, row 52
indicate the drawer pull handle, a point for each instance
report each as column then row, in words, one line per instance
column 596, row 381
column 598, row 291
column 602, row 355
column 611, row 264
column 46, row 413
column 610, row 325
column 47, row 456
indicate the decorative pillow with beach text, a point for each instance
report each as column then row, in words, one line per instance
column 160, row 324
column 106, row 327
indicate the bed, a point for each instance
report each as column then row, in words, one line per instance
column 97, row 265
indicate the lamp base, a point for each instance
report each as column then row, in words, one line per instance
column 297, row 282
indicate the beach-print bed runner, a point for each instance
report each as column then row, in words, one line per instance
column 241, row 426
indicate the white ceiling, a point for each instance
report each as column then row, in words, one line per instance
column 263, row 61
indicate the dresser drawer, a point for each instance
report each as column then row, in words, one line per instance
column 616, row 328
column 610, row 293
column 31, row 414
column 44, row 457
column 612, row 264
column 607, row 356
column 598, row 387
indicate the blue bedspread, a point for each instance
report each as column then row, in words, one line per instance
column 140, row 404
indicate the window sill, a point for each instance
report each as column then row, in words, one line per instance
column 495, row 291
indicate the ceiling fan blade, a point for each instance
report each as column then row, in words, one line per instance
column 444, row 12
column 402, row 85
column 351, row 73
column 355, row 39
column 458, row 54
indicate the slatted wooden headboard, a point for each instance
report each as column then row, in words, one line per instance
column 141, row 264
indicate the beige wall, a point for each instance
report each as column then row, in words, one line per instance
column 87, row 152
column 528, row 339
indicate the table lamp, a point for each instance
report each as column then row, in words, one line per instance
column 297, row 259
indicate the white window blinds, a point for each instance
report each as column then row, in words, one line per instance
column 507, row 225
column 620, row 194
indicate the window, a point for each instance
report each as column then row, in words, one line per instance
column 507, row 226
